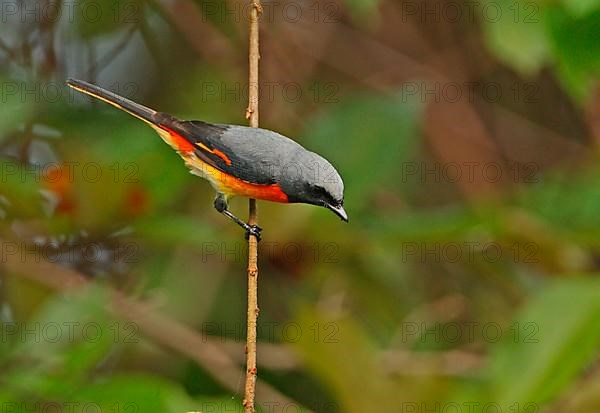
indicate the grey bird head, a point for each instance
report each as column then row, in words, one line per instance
column 311, row 179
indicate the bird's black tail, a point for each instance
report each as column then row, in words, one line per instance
column 129, row 106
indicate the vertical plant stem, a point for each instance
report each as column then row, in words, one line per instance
column 252, row 116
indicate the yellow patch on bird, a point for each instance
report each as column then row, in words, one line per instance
column 202, row 146
column 230, row 185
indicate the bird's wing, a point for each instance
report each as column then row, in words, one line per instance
column 242, row 152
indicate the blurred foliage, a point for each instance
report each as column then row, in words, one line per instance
column 393, row 121
column 531, row 35
column 438, row 296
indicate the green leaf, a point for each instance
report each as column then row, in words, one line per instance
column 20, row 188
column 578, row 217
column 559, row 335
column 577, row 49
column 69, row 336
column 361, row 9
column 342, row 355
column 530, row 35
column 17, row 106
column 579, row 8
column 175, row 230
column 515, row 32
column 96, row 17
column 367, row 138
column 136, row 393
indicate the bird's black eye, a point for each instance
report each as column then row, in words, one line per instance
column 320, row 193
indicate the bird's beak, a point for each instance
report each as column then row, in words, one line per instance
column 135, row 109
column 339, row 211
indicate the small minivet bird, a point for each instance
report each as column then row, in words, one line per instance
column 239, row 160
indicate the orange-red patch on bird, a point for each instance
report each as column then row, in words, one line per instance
column 222, row 156
column 239, row 187
column 230, row 185
column 182, row 144
column 214, row 151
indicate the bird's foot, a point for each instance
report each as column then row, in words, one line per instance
column 253, row 230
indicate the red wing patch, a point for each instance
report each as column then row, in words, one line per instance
column 222, row 156
column 182, row 144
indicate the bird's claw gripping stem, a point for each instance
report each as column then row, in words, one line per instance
column 221, row 206
column 253, row 230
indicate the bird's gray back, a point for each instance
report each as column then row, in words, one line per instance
column 263, row 152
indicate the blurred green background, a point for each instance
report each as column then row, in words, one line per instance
column 466, row 281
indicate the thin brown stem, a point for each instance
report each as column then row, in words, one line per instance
column 252, row 116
